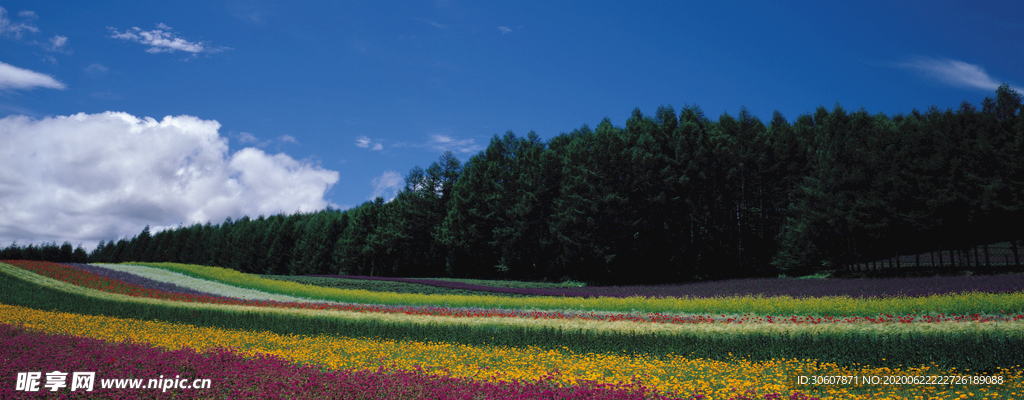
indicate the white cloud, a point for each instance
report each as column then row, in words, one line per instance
column 12, row 77
column 48, row 58
column 96, row 68
column 433, row 23
column 92, row 177
column 365, row 143
column 445, row 143
column 8, row 27
column 289, row 139
column 388, row 183
column 57, row 43
column 953, row 72
column 246, row 137
column 504, row 30
column 162, row 40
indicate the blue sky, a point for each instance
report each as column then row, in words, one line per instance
column 286, row 106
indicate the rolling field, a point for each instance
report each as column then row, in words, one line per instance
column 349, row 337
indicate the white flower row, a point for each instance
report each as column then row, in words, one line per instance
column 205, row 286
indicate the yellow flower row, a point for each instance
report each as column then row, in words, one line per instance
column 673, row 374
column 968, row 303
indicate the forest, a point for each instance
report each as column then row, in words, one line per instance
column 670, row 197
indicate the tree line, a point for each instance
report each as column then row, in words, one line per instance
column 673, row 196
column 45, row 252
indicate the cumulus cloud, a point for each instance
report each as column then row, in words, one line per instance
column 953, row 72
column 366, row 143
column 162, row 40
column 12, row 77
column 447, row 143
column 92, row 177
column 387, row 185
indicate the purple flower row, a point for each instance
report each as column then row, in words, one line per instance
column 268, row 377
column 855, row 288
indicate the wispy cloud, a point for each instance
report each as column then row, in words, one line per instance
column 48, row 58
column 445, row 143
column 15, row 29
column 12, row 77
column 96, row 68
column 57, row 43
column 952, row 72
column 289, row 139
column 163, row 40
column 433, row 23
column 12, row 109
column 366, row 143
column 388, row 183
column 504, row 30
column 246, row 137
column 250, row 12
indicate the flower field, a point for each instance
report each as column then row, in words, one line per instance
column 338, row 343
column 238, row 375
column 950, row 303
column 858, row 288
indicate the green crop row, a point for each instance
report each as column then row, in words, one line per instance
column 969, row 303
column 974, row 346
column 376, row 286
column 515, row 284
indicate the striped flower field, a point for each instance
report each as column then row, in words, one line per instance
column 489, row 346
